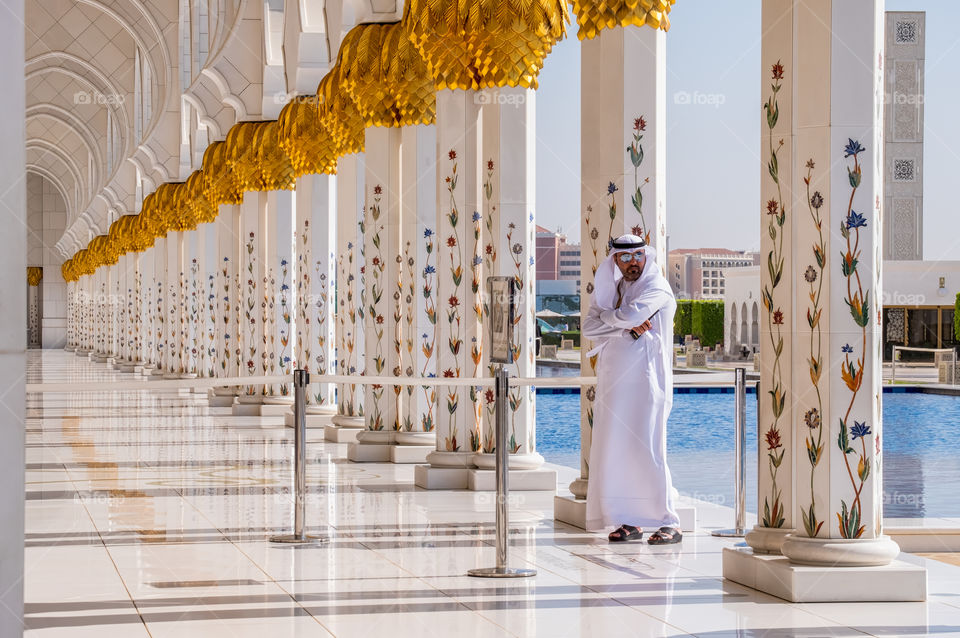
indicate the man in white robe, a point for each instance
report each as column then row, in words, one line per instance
column 630, row 323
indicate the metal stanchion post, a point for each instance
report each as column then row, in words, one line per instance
column 740, row 452
column 301, row 380
column 501, row 381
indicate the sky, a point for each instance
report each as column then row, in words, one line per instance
column 714, row 52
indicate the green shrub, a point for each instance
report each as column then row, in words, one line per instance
column 707, row 322
column 956, row 318
column 553, row 338
column 682, row 321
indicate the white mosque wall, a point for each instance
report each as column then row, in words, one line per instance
column 905, row 284
column 46, row 219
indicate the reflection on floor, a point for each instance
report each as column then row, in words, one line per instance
column 147, row 516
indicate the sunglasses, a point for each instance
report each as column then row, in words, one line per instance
column 626, row 258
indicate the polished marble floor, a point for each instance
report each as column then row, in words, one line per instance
column 146, row 515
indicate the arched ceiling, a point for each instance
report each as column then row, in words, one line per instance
column 80, row 79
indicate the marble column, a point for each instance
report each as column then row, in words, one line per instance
column 382, row 252
column 820, row 452
column 148, row 306
column 207, row 291
column 230, row 253
column 458, row 195
column 70, row 346
column 125, row 313
column 176, row 307
column 159, row 350
column 140, row 297
column 418, row 214
column 193, row 307
column 278, row 293
column 253, row 298
column 315, row 286
column 350, row 290
column 505, row 222
column 623, row 129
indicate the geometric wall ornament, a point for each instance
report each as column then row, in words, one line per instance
column 906, row 32
column 904, row 170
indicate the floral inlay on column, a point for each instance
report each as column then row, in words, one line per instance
column 813, row 417
column 195, row 321
column 250, row 314
column 489, row 264
column 429, row 339
column 225, row 272
column 858, row 301
column 405, row 315
column 268, row 322
column 321, row 324
column 519, row 281
column 376, row 294
column 211, row 336
column 347, row 314
column 454, row 318
column 635, row 151
column 283, row 357
column 773, row 510
column 476, row 342
column 158, row 323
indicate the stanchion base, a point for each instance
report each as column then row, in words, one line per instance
column 729, row 533
column 501, row 572
column 293, row 539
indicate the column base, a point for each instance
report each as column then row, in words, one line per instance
column 372, row 447
column 344, row 421
column 462, row 460
column 278, row 400
column 431, row 477
column 409, row 453
column 100, row 357
column 540, row 480
column 327, row 409
column 573, row 511
column 417, row 439
column 488, row 461
column 242, row 408
column 767, row 540
column 81, row 352
column 69, row 348
column 840, row 552
column 315, row 421
column 579, row 488
column 221, row 400
column 777, row 576
column 336, row 434
column 129, row 366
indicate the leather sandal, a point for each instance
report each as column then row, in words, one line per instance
column 625, row 533
column 665, row 536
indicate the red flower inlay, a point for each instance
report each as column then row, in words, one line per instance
column 772, row 207
column 448, row 373
column 773, row 439
column 452, row 154
column 778, row 71
column 451, row 241
column 639, row 124
column 777, row 318
column 453, row 301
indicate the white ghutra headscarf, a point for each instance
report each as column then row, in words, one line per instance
column 608, row 274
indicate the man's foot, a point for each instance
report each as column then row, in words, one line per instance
column 665, row 536
column 625, row 533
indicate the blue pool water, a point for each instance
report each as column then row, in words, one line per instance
column 921, row 438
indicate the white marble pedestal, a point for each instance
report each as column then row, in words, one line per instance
column 777, row 576
column 573, row 511
column 343, row 429
column 372, row 447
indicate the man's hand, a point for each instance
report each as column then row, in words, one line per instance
column 643, row 327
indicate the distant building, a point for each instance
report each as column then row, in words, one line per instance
column 698, row 273
column 556, row 259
